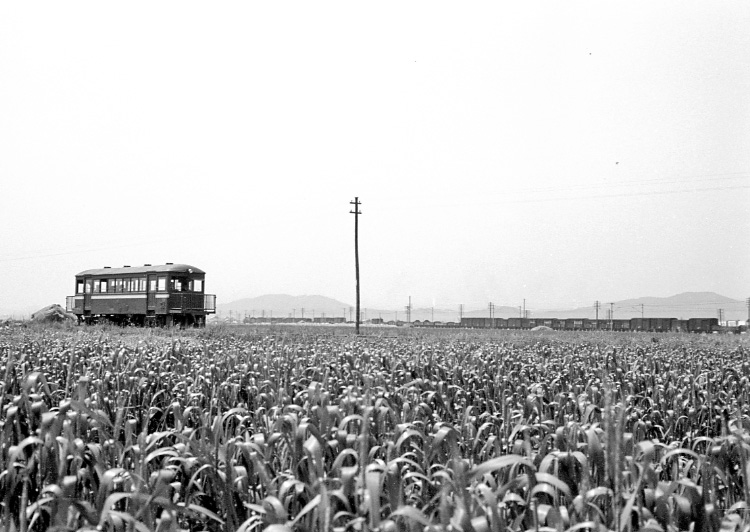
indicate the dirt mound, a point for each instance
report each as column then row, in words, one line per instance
column 53, row 313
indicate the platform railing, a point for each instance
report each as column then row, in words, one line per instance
column 188, row 301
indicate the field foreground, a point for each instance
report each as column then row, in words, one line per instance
column 271, row 429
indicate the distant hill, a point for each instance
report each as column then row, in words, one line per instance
column 283, row 305
column 685, row 305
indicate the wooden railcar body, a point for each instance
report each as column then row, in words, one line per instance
column 163, row 295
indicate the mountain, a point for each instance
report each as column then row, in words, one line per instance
column 685, row 305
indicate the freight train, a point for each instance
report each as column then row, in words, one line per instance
column 163, row 295
column 693, row 325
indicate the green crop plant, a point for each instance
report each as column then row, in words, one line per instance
column 286, row 429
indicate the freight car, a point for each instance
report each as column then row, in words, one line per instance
column 163, row 295
column 695, row 325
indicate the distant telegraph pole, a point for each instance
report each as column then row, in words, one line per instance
column 356, row 212
column 611, row 316
column 596, row 306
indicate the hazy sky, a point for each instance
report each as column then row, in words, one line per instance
column 561, row 152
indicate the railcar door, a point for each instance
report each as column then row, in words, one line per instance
column 88, row 287
column 151, row 293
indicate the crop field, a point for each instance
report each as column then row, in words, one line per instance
column 279, row 429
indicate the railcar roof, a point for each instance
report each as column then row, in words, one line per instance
column 157, row 268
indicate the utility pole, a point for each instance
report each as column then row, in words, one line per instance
column 596, row 306
column 524, row 308
column 748, row 312
column 611, row 316
column 492, row 310
column 460, row 312
column 721, row 316
column 408, row 311
column 641, row 311
column 356, row 212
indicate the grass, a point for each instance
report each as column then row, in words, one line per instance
column 252, row 428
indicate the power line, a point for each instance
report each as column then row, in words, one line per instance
column 618, row 184
column 102, row 248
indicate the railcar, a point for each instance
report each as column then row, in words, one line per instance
column 703, row 325
column 680, row 326
column 162, row 295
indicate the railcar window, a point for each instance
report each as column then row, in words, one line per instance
column 118, row 285
column 176, row 285
column 152, row 285
column 103, row 286
column 112, row 285
column 142, row 284
column 88, row 286
column 197, row 285
column 79, row 287
column 161, row 284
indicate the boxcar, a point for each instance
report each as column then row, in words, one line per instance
column 641, row 324
column 476, row 323
column 620, row 325
column 576, row 324
column 162, row 295
column 661, row 324
column 679, row 326
column 699, row 325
